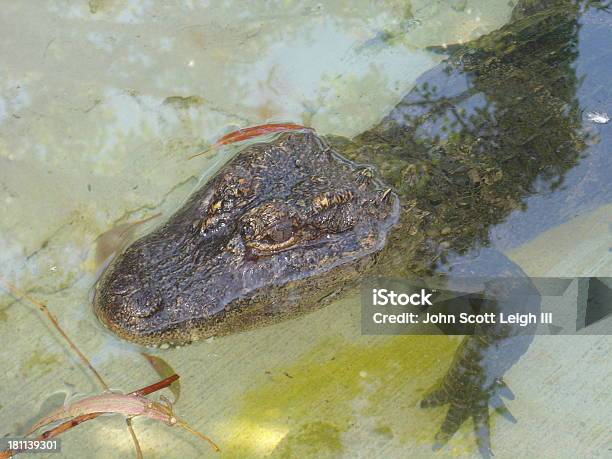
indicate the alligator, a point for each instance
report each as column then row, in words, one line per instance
column 296, row 221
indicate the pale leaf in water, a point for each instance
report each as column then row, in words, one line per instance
column 164, row 370
column 113, row 239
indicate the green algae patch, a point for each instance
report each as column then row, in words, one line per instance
column 184, row 103
column 316, row 439
column 96, row 6
column 39, row 363
column 384, row 431
column 340, row 387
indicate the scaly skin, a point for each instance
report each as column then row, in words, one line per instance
column 291, row 224
column 282, row 226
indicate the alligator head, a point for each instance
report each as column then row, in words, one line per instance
column 282, row 226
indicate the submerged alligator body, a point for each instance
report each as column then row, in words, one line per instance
column 291, row 224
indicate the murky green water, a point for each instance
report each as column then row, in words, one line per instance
column 101, row 104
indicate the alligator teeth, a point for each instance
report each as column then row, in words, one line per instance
column 385, row 195
column 364, row 175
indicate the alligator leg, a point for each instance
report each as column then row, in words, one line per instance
column 474, row 381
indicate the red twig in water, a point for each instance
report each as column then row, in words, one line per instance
column 250, row 132
column 41, row 307
column 165, row 410
column 67, row 425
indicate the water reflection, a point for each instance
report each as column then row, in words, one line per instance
column 498, row 124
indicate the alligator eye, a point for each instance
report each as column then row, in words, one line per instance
column 273, row 239
column 279, row 233
column 270, row 228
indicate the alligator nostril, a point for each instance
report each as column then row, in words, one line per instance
column 146, row 307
